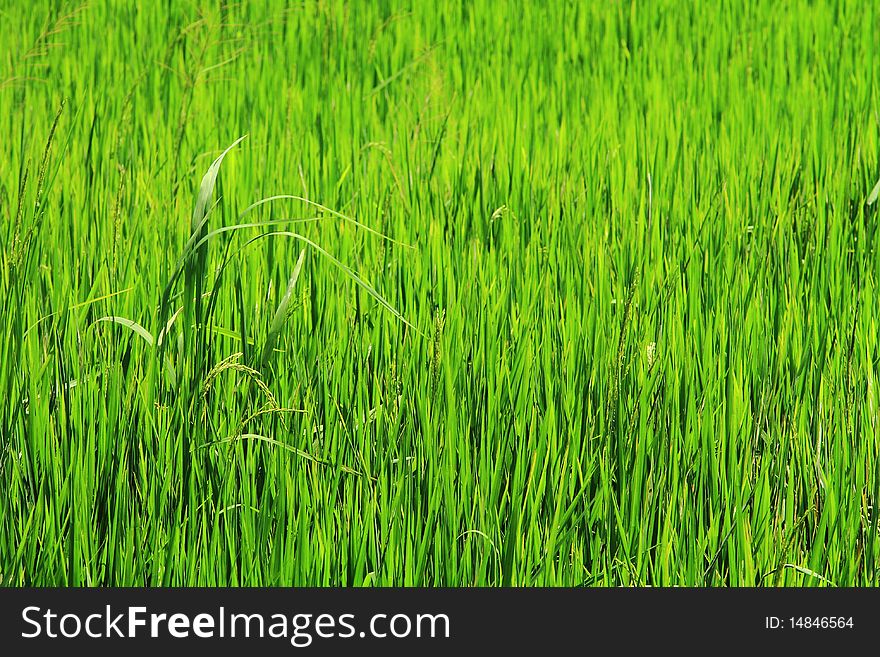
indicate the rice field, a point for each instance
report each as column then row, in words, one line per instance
column 439, row 294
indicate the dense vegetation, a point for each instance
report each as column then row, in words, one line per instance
column 554, row 294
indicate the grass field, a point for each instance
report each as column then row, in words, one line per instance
column 575, row 293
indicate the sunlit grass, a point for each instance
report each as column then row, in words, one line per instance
column 492, row 293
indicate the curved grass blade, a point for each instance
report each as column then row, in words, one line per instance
column 357, row 279
column 872, row 197
column 200, row 215
column 324, row 208
column 290, row 448
column 129, row 324
column 206, row 188
column 282, row 312
column 352, row 274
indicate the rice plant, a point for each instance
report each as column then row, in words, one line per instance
column 427, row 294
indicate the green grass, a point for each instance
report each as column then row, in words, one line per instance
column 575, row 294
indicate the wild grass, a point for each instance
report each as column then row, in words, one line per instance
column 575, row 293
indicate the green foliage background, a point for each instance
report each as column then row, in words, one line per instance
column 631, row 240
